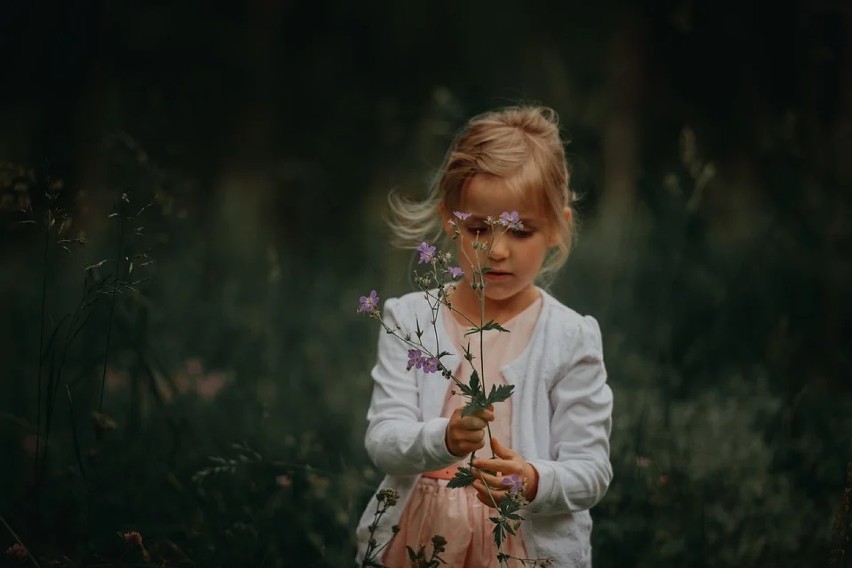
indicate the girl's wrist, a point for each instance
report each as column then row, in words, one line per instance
column 531, row 481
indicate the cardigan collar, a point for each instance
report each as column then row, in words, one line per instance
column 434, row 389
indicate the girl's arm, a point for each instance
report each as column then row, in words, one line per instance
column 580, row 425
column 398, row 440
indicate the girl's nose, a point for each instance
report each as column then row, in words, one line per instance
column 499, row 249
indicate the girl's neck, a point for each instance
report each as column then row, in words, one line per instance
column 466, row 301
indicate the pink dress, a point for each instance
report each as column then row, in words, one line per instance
column 456, row 514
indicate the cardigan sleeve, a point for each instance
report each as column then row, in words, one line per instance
column 581, row 421
column 398, row 440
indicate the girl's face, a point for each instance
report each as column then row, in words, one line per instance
column 515, row 257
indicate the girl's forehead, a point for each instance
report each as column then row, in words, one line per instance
column 488, row 195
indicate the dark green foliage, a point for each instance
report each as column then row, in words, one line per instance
column 420, row 560
column 464, row 477
column 498, row 393
column 487, row 327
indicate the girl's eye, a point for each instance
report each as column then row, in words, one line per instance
column 478, row 229
column 522, row 234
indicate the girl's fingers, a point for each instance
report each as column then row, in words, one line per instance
column 503, row 466
column 489, row 478
column 487, row 415
column 484, row 414
column 502, row 451
column 486, row 495
column 473, row 423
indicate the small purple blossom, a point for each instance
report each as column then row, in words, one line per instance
column 461, row 215
column 430, row 365
column 415, row 359
column 427, row 252
column 511, row 220
column 515, row 483
column 455, row 271
column 368, row 304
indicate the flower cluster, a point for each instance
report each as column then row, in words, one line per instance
column 388, row 496
column 517, row 488
column 429, row 255
column 455, row 272
column 510, row 221
column 369, row 304
column 17, row 551
column 132, row 538
column 514, row 482
column 417, row 360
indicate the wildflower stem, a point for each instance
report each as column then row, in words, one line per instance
column 74, row 436
column 41, row 340
column 417, row 345
column 111, row 312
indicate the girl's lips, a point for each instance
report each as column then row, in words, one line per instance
column 496, row 275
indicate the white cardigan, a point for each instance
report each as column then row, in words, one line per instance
column 561, row 421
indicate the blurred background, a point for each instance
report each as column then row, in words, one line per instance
column 192, row 200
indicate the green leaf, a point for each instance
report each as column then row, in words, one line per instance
column 494, row 325
column 474, row 382
column 487, row 327
column 467, row 354
column 464, row 477
column 498, row 532
column 499, row 393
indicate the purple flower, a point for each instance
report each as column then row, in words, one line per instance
column 369, row 303
column 427, row 252
column 515, row 483
column 461, row 215
column 418, row 361
column 511, row 220
column 455, row 271
column 415, row 359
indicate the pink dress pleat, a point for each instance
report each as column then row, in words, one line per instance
column 456, row 514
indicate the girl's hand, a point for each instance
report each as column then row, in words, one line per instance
column 508, row 462
column 467, row 434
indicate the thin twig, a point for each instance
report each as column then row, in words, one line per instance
column 111, row 312
column 41, row 340
column 74, row 436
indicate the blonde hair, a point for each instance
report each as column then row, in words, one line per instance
column 520, row 145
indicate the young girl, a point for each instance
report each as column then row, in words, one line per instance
column 554, row 430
